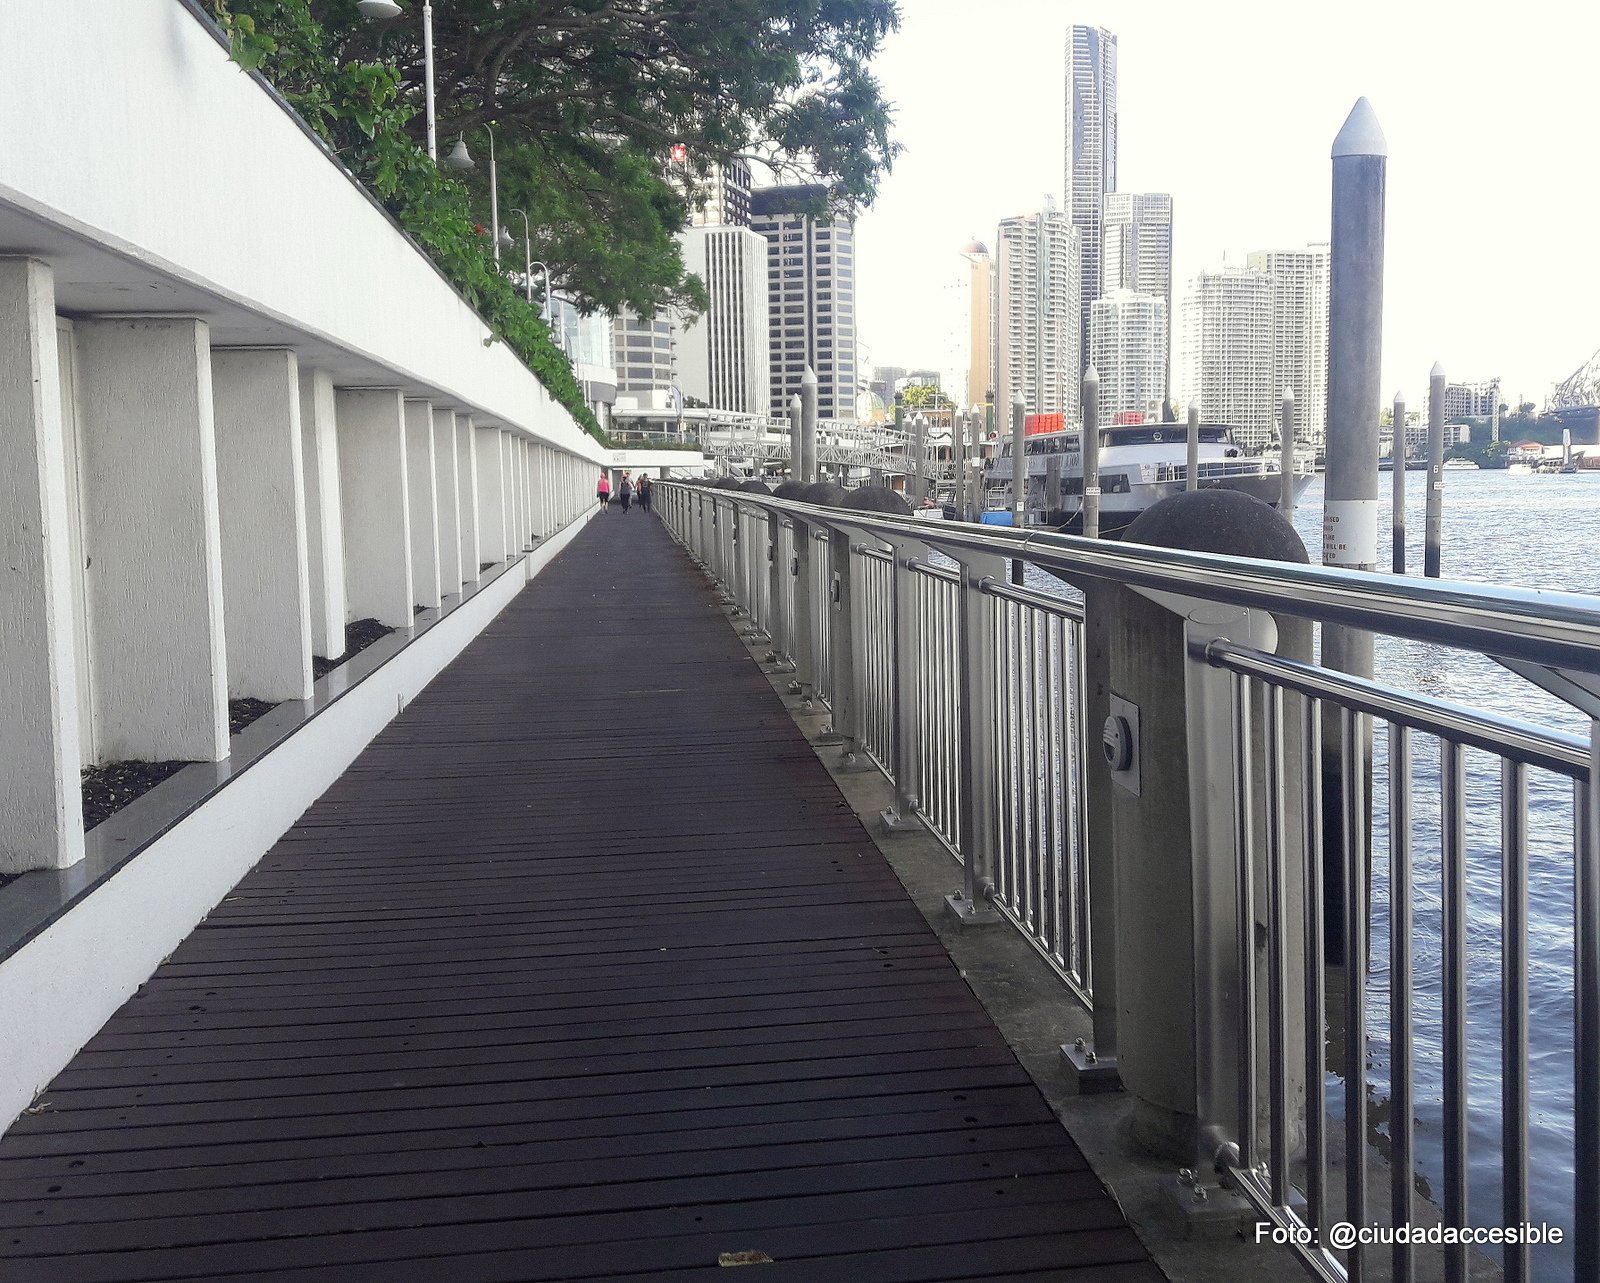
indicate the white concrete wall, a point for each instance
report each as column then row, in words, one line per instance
column 41, row 818
column 491, row 496
column 319, row 449
column 424, row 493
column 261, row 501
column 152, row 539
column 164, row 152
column 448, row 485
column 467, row 479
column 377, row 508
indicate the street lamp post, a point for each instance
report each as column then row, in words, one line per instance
column 460, row 158
column 529, row 264
column 376, row 9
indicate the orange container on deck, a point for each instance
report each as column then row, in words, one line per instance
column 1036, row 423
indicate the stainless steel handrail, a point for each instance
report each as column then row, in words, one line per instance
column 1531, row 626
column 1554, row 751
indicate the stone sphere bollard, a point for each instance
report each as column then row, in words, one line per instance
column 793, row 490
column 824, row 494
column 755, row 487
column 876, row 499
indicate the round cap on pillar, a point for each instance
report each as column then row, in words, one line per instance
column 1017, row 400
column 899, row 398
column 794, row 403
column 1361, row 134
column 1437, row 372
column 1288, row 393
column 1091, row 375
column 809, row 378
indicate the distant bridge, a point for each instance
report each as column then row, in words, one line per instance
column 748, row 440
column 1581, row 387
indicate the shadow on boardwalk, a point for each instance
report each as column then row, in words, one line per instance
column 583, row 970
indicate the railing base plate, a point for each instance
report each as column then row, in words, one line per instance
column 851, row 763
column 894, row 822
column 1207, row 1211
column 1089, row 1075
column 967, row 914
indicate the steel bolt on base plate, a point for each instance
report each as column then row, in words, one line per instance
column 1090, row 1074
column 968, row 914
column 1206, row 1211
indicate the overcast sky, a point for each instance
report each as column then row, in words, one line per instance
column 1492, row 114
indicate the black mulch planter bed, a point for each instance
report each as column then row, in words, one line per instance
column 357, row 637
column 241, row 712
column 109, row 787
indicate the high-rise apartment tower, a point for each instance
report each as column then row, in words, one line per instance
column 1037, row 314
column 1128, row 348
column 723, row 357
column 1227, row 353
column 811, row 298
column 1091, row 168
column 1299, row 331
column 1137, row 255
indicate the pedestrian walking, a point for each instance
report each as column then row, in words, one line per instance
column 625, row 491
column 602, row 492
column 646, row 486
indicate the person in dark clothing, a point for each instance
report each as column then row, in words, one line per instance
column 625, row 491
column 645, row 487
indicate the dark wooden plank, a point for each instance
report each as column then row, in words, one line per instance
column 584, row 969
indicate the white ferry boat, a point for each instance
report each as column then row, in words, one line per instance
column 1139, row 466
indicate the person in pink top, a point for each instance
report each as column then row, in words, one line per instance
column 602, row 492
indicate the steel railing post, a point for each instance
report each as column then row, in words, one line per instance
column 973, row 904
column 846, row 699
column 803, row 652
column 779, row 626
column 909, row 669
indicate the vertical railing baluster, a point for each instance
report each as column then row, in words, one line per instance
column 1277, row 948
column 1586, row 1001
column 1402, row 1161
column 1453, row 832
column 1514, row 1008
column 1315, row 978
column 1245, row 887
column 1354, row 822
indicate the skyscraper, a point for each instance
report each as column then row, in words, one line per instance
column 646, row 354
column 727, row 198
column 980, row 321
column 1037, row 314
column 811, row 298
column 1227, row 353
column 1129, row 352
column 1091, row 169
column 1137, row 255
column 723, row 357
column 1299, row 331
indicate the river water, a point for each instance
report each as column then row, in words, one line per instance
column 1531, row 532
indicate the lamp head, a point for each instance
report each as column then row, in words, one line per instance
column 459, row 158
column 373, row 10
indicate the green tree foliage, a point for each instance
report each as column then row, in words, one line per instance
column 608, row 115
column 924, row 396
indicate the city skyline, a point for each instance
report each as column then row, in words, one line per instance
column 1248, row 166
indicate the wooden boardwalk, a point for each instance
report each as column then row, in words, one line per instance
column 583, row 971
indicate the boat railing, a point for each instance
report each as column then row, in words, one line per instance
column 973, row 695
